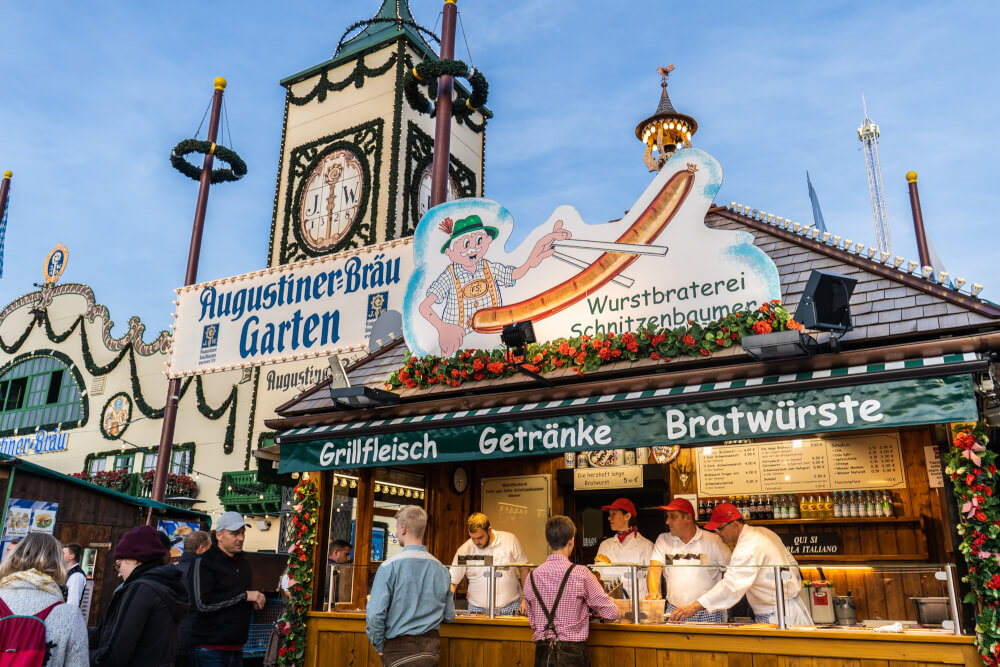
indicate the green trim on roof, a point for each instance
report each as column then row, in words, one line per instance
column 35, row 469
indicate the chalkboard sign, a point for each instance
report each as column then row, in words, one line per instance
column 812, row 544
column 802, row 465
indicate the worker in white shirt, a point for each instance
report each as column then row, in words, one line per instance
column 487, row 546
column 686, row 545
column 625, row 546
column 755, row 546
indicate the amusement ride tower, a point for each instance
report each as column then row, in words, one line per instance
column 868, row 134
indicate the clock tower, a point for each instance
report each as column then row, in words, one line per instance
column 355, row 156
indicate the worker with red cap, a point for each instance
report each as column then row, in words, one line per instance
column 754, row 547
column 625, row 546
column 686, row 545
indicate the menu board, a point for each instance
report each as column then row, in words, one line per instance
column 793, row 466
column 520, row 505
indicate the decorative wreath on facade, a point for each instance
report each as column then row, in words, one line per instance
column 236, row 170
column 427, row 73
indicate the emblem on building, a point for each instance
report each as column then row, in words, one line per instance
column 116, row 416
column 55, row 263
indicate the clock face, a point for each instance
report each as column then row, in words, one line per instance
column 460, row 479
column 333, row 191
column 424, row 203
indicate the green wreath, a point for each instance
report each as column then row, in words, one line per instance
column 427, row 73
column 237, row 167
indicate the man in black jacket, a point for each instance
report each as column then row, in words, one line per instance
column 220, row 588
column 195, row 544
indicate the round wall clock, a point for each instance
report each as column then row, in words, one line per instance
column 460, row 479
column 424, row 196
column 333, row 190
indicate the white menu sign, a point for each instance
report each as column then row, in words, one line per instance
column 794, row 466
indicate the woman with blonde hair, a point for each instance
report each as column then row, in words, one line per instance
column 30, row 577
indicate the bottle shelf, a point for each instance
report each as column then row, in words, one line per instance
column 833, row 520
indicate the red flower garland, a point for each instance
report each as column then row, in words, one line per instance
column 586, row 353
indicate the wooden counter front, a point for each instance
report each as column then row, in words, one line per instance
column 339, row 638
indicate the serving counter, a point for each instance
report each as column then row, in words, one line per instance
column 472, row 642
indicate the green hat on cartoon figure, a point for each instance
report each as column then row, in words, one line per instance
column 473, row 223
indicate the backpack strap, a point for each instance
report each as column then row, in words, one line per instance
column 550, row 615
column 43, row 614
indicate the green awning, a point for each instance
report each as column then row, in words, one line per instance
column 609, row 421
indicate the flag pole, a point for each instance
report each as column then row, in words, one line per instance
column 190, row 277
column 4, row 191
column 918, row 221
column 442, row 109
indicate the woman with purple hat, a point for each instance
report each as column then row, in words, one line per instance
column 140, row 626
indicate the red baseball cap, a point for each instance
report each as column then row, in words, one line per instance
column 723, row 513
column 623, row 504
column 681, row 505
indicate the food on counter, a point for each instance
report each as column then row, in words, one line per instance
column 601, row 559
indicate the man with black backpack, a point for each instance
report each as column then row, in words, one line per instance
column 559, row 596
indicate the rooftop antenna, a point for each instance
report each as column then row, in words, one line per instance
column 868, row 134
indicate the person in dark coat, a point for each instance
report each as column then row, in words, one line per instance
column 195, row 544
column 140, row 626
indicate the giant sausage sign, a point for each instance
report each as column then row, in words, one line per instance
column 659, row 266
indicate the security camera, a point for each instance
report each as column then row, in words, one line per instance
column 263, row 524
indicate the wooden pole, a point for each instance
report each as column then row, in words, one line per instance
column 442, row 110
column 190, row 277
column 918, row 221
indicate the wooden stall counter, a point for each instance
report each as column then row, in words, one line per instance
column 339, row 638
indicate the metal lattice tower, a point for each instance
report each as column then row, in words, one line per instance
column 868, row 134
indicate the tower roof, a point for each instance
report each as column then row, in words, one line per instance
column 665, row 106
column 390, row 22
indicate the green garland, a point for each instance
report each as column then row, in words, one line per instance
column 377, row 19
column 121, row 431
column 237, row 167
column 586, row 353
column 356, row 77
column 300, row 573
column 95, row 370
column 427, row 73
column 972, row 468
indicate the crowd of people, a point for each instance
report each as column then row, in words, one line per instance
column 692, row 569
column 194, row 613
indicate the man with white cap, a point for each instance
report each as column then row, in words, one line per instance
column 221, row 596
column 755, row 547
column 686, row 545
column 625, row 546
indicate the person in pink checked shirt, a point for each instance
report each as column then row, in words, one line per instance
column 559, row 595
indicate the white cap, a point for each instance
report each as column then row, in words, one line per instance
column 231, row 521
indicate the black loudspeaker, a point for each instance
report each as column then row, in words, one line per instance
column 825, row 303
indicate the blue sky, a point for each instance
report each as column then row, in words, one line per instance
column 94, row 95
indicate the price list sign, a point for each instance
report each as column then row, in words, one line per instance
column 817, row 464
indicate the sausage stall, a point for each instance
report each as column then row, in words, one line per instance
column 832, row 437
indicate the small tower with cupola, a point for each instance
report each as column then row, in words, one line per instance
column 666, row 131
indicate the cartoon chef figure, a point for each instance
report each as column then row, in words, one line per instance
column 471, row 281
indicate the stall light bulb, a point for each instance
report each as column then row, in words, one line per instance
column 928, row 270
column 976, row 289
column 959, row 282
column 354, row 483
column 912, row 266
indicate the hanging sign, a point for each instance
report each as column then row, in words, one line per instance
column 878, row 405
column 24, row 517
column 520, row 505
column 318, row 307
column 658, row 266
column 613, row 477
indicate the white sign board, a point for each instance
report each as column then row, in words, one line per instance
column 314, row 308
column 611, row 477
column 935, row 472
column 658, row 266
